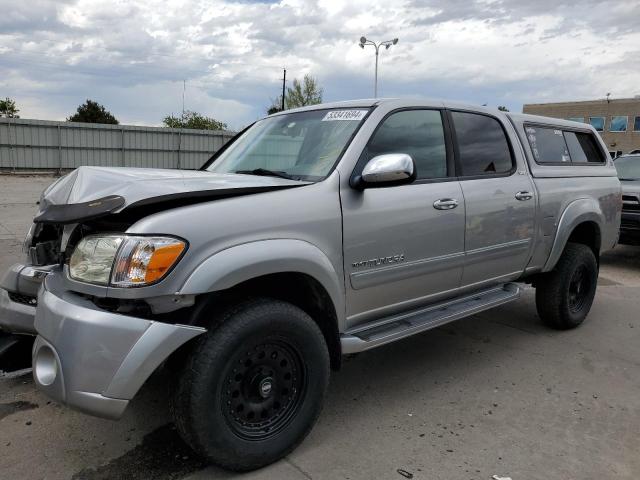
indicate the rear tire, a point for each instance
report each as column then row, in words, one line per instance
column 253, row 387
column 564, row 296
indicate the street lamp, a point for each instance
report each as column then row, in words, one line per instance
column 387, row 44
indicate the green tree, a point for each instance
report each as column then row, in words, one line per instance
column 276, row 106
column 502, row 108
column 300, row 94
column 92, row 112
column 304, row 93
column 193, row 120
column 8, row 108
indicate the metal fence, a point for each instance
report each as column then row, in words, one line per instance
column 40, row 144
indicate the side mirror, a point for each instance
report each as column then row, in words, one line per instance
column 387, row 170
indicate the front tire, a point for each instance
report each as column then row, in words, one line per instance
column 564, row 296
column 253, row 387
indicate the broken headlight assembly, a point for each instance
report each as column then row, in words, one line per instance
column 124, row 260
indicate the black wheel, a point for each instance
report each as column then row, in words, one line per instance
column 564, row 295
column 253, row 387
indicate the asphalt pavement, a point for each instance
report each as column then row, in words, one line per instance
column 494, row 394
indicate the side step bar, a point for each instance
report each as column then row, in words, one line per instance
column 380, row 332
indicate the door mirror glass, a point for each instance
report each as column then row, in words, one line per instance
column 388, row 169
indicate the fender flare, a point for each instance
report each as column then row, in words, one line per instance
column 234, row 265
column 577, row 212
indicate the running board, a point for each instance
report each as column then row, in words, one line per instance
column 403, row 325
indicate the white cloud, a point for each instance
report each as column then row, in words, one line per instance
column 133, row 56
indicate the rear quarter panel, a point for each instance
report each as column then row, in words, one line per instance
column 567, row 201
column 569, row 194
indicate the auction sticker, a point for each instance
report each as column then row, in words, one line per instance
column 334, row 115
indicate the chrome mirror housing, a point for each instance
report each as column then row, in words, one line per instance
column 389, row 169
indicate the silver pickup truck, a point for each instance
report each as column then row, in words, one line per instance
column 313, row 234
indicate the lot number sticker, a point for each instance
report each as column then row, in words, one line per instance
column 334, row 115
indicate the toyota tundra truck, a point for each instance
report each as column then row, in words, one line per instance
column 313, row 234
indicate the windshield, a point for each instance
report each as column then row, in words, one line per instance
column 302, row 146
column 628, row 167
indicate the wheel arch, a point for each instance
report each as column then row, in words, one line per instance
column 581, row 222
column 290, row 270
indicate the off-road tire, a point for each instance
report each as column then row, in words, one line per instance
column 218, row 402
column 558, row 302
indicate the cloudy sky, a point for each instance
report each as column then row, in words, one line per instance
column 132, row 56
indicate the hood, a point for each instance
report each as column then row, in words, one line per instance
column 92, row 192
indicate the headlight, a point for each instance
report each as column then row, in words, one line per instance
column 143, row 260
column 123, row 260
column 93, row 257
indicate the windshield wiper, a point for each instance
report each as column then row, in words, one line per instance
column 264, row 172
column 628, row 179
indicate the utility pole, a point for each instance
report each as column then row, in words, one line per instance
column 184, row 87
column 284, row 81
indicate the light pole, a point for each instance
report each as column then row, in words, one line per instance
column 387, row 44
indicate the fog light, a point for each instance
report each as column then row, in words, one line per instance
column 45, row 366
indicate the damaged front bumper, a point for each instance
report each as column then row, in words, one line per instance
column 92, row 359
column 18, row 297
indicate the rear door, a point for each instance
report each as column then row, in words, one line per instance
column 404, row 245
column 499, row 196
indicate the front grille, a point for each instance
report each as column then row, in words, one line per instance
column 24, row 299
column 630, row 203
column 630, row 225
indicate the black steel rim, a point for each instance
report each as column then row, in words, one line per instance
column 263, row 390
column 579, row 288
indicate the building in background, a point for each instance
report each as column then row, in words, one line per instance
column 617, row 120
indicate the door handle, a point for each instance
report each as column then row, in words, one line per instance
column 445, row 204
column 522, row 196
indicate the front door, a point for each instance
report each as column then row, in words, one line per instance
column 404, row 245
column 500, row 201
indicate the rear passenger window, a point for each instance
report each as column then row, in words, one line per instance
column 575, row 149
column 483, row 148
column 583, row 148
column 418, row 133
column 551, row 145
column 589, row 147
column 548, row 145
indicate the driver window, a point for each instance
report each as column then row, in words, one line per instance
column 418, row 133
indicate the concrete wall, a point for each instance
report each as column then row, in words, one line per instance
column 616, row 141
column 40, row 144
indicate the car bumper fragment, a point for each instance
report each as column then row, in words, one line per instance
column 16, row 317
column 18, row 291
column 94, row 360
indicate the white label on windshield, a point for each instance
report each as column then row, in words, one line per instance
column 356, row 115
